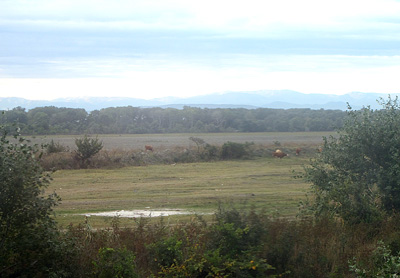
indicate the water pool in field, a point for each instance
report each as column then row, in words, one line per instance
column 140, row 213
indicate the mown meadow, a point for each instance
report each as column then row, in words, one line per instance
column 174, row 176
column 265, row 183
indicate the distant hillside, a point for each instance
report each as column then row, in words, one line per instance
column 283, row 99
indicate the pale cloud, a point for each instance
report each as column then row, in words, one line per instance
column 321, row 74
column 155, row 48
column 254, row 16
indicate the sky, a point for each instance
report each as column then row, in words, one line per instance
column 157, row 48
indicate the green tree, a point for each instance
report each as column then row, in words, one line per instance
column 86, row 148
column 40, row 123
column 28, row 235
column 357, row 175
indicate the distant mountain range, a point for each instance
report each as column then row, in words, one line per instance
column 283, row 99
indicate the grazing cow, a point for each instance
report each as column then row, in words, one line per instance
column 298, row 151
column 278, row 151
column 279, row 154
column 148, row 148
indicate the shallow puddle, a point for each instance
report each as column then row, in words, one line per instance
column 140, row 213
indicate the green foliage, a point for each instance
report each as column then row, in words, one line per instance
column 55, row 147
column 167, row 251
column 234, row 244
column 211, row 152
column 384, row 264
column 115, row 263
column 205, row 152
column 87, row 147
column 224, row 249
column 232, row 150
column 53, row 120
column 357, row 175
column 29, row 240
column 135, row 120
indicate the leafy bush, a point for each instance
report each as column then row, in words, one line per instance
column 86, row 148
column 211, row 152
column 384, row 264
column 30, row 244
column 115, row 263
column 357, row 175
column 167, row 251
column 232, row 150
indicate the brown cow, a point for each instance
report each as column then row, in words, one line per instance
column 298, row 151
column 279, row 154
column 148, row 148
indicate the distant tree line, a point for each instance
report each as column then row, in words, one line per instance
column 135, row 120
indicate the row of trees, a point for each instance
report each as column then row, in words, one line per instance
column 134, row 120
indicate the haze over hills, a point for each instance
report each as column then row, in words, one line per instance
column 283, row 99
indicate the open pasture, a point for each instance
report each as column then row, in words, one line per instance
column 265, row 183
column 138, row 141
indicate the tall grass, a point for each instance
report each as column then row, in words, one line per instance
column 235, row 244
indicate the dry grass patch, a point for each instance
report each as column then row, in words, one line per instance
column 166, row 141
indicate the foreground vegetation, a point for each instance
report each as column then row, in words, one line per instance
column 234, row 244
column 349, row 227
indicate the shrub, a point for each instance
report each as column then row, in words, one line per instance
column 115, row 263
column 232, row 150
column 30, row 245
column 167, row 251
column 53, row 147
column 210, row 152
column 384, row 264
column 86, row 148
column 357, row 175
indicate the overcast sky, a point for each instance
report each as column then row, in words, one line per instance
column 154, row 48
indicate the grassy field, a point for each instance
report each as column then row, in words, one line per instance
column 138, row 141
column 199, row 187
column 266, row 182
